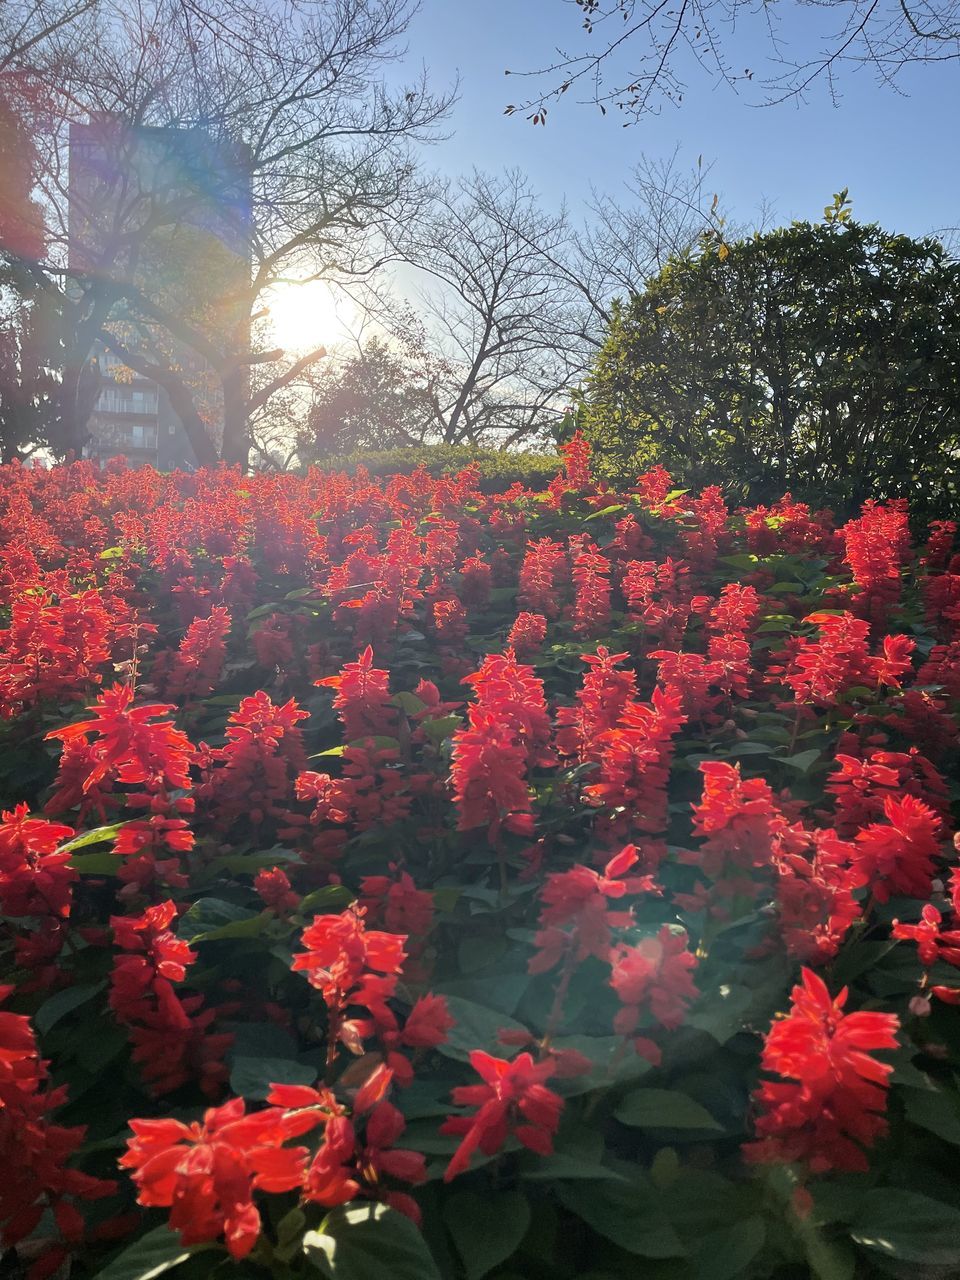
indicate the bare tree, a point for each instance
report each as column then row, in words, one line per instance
column 299, row 94
column 641, row 53
column 626, row 238
column 27, row 26
column 488, row 309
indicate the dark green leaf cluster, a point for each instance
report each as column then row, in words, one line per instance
column 820, row 359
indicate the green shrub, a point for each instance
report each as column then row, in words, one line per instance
column 499, row 468
column 819, row 359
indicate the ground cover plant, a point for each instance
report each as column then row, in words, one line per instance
column 401, row 880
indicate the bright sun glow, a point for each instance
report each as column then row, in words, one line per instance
column 304, row 316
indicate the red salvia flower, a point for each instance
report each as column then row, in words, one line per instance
column 273, row 886
column 513, row 1099
column 933, row 943
column 35, row 880
column 738, row 820
column 126, row 744
column 206, row 1173
column 251, row 777
column 351, row 965
column 576, row 461
column 575, row 916
column 37, row 1151
column 822, row 670
column 363, row 698
column 860, row 785
column 602, row 698
column 898, row 856
column 827, row 1109
column 507, row 734
column 527, row 635
column 634, row 763
column 654, row 975
column 544, row 576
column 877, row 546
column 198, row 663
column 591, row 579
column 817, row 877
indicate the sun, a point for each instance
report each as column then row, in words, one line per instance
column 304, row 316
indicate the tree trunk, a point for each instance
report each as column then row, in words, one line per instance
column 181, row 401
column 236, row 440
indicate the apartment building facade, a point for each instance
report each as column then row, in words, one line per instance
column 182, row 202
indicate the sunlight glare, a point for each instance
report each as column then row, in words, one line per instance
column 304, row 316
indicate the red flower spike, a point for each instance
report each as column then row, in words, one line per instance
column 207, row 1173
column 512, row 1099
column 827, row 1109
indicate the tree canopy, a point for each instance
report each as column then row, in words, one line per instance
column 373, row 400
column 816, row 358
column 298, row 91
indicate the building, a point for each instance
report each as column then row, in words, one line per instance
column 167, row 210
column 133, row 419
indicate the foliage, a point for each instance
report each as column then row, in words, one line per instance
column 189, row 128
column 373, row 400
column 499, row 468
column 820, row 359
column 339, row 937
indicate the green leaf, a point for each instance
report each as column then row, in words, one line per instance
column 829, row 1259
column 486, row 1230
column 478, row 952
column 249, row 863
column 409, row 702
column 572, row 1168
column 252, row 1077
column 96, row 864
column 446, row 897
column 611, row 1064
column 158, row 1251
column 609, row 511
column 802, row 761
column 330, row 899
column 442, row 728
column 725, row 1255
column 908, row 1227
column 260, row 1040
column 369, row 1242
column 630, row 1215
column 208, row 917
column 476, row 1028
column 663, row 1109
column 98, row 835
column 934, row 1110
column 62, row 1003
column 262, row 610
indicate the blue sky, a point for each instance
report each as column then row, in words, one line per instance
column 898, row 154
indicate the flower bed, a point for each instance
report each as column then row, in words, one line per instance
column 399, row 880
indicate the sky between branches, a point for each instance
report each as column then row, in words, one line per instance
column 896, row 151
